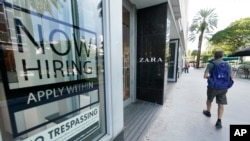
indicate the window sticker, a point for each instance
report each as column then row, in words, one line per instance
column 53, row 69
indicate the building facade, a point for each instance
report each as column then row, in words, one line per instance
column 69, row 67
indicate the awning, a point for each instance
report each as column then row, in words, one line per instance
column 225, row 59
column 241, row 52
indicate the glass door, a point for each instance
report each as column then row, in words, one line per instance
column 126, row 54
column 173, row 60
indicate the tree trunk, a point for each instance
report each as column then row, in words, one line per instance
column 199, row 49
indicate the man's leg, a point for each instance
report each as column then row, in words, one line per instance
column 220, row 111
column 209, row 105
column 218, row 124
column 210, row 97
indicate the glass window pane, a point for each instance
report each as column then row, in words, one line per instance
column 52, row 82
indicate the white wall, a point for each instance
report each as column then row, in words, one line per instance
column 116, row 64
column 113, row 66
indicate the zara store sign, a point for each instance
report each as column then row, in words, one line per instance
column 150, row 60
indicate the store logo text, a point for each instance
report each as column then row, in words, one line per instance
column 150, row 59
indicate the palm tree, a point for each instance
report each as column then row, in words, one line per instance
column 204, row 22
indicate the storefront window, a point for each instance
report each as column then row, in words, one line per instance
column 52, row 70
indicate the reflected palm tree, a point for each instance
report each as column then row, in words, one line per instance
column 42, row 6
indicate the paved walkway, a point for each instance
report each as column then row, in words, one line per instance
column 181, row 118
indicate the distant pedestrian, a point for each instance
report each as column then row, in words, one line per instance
column 186, row 67
column 219, row 75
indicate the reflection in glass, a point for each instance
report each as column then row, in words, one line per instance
column 49, row 51
column 126, row 53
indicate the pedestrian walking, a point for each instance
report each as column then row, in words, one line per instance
column 186, row 67
column 219, row 77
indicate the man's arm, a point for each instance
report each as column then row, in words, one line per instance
column 206, row 75
column 231, row 72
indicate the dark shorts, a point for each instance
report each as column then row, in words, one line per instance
column 220, row 95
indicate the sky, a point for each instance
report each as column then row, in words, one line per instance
column 227, row 11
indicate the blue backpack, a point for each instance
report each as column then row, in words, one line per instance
column 220, row 78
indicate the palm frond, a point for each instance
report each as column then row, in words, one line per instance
column 204, row 21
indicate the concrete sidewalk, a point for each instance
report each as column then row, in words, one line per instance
column 181, row 118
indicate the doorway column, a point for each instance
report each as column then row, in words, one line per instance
column 151, row 45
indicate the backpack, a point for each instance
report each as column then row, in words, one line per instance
column 220, row 78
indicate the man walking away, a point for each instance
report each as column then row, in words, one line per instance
column 219, row 75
